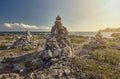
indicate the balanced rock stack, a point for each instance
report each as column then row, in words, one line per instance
column 24, row 41
column 57, row 43
column 97, row 41
column 116, row 37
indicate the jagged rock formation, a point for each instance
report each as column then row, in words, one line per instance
column 58, row 43
column 25, row 41
column 97, row 41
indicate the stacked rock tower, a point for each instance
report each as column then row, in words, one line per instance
column 97, row 41
column 24, row 41
column 58, row 43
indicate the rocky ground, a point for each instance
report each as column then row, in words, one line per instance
column 24, row 59
column 19, row 59
column 80, row 67
column 59, row 56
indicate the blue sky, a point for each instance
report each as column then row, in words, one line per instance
column 77, row 15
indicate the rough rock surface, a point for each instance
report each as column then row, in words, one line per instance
column 54, row 62
column 31, row 66
column 10, row 76
column 25, row 41
column 116, row 37
column 97, row 41
column 58, row 43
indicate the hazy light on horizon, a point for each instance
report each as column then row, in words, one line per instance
column 98, row 14
column 77, row 15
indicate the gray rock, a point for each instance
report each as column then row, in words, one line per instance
column 18, row 68
column 26, row 41
column 47, row 54
column 97, row 42
column 58, row 43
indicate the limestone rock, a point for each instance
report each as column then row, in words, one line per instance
column 116, row 37
column 97, row 41
column 10, row 76
column 47, row 54
column 51, row 63
column 25, row 41
column 33, row 67
column 58, row 43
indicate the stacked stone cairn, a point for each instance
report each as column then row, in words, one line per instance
column 24, row 41
column 97, row 41
column 58, row 43
column 54, row 62
column 116, row 37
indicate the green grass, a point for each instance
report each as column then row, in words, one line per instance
column 2, row 45
column 8, row 37
column 92, row 69
column 102, row 64
column 111, row 56
column 77, row 39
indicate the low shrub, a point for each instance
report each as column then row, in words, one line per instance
column 77, row 39
column 91, row 69
column 111, row 56
column 2, row 45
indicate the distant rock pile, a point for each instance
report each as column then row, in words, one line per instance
column 25, row 41
column 97, row 41
column 116, row 37
column 57, row 43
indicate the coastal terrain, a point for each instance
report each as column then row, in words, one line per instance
column 59, row 56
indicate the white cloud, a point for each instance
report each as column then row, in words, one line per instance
column 22, row 26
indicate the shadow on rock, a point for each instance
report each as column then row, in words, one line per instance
column 25, row 64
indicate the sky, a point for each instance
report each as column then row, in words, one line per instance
column 77, row 15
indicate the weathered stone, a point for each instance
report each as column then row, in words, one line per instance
column 57, row 51
column 47, row 54
column 58, row 43
column 25, row 41
column 97, row 42
column 4, row 67
column 67, row 71
column 16, row 67
column 116, row 37
column 10, row 76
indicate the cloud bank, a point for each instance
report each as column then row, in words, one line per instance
column 22, row 26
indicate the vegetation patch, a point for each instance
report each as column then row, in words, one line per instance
column 2, row 45
column 91, row 69
column 77, row 39
column 111, row 56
